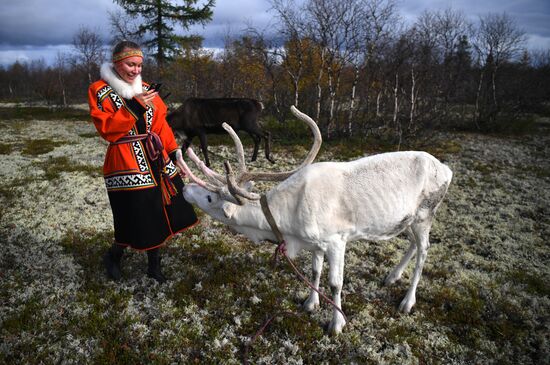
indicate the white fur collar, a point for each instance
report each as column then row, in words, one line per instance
column 121, row 87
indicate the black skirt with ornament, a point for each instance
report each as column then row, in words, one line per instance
column 143, row 222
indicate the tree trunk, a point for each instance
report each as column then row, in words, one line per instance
column 413, row 99
column 378, row 97
column 331, row 103
column 296, row 95
column 478, row 95
column 352, row 100
column 395, row 100
column 495, row 108
column 64, row 97
column 319, row 87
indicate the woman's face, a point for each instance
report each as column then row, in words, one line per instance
column 129, row 68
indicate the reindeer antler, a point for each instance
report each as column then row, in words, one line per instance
column 180, row 163
column 234, row 183
column 230, row 186
column 214, row 177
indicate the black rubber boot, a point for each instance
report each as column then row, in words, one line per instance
column 111, row 260
column 153, row 266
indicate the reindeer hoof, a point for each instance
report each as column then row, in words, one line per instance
column 391, row 279
column 335, row 326
column 407, row 304
column 311, row 304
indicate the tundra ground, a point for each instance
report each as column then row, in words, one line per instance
column 484, row 296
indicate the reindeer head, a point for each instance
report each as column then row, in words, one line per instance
column 221, row 196
column 215, row 204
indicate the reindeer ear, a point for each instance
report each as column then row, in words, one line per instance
column 229, row 209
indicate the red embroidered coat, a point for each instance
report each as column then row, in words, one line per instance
column 132, row 177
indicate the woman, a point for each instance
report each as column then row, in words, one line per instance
column 142, row 181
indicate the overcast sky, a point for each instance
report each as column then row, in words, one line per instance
column 33, row 29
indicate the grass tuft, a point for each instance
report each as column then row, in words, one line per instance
column 35, row 147
column 54, row 166
column 534, row 284
column 5, row 149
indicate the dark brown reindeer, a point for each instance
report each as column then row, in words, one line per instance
column 199, row 117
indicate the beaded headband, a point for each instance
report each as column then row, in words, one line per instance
column 117, row 57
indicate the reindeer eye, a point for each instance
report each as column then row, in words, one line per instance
column 209, row 198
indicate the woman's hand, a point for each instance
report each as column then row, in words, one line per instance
column 147, row 97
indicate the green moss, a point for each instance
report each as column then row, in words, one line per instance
column 484, row 169
column 13, row 189
column 208, row 263
column 534, row 284
column 85, row 245
column 434, row 272
column 540, row 172
column 9, row 193
column 470, row 182
column 35, row 147
column 107, row 322
column 349, row 149
column 226, row 278
column 460, row 309
column 24, row 320
column 88, row 135
column 5, row 149
column 54, row 166
column 353, row 304
column 442, row 148
column 398, row 332
column 475, row 313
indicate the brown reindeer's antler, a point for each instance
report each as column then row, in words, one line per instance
column 234, row 183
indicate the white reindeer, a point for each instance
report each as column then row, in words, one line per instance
column 320, row 207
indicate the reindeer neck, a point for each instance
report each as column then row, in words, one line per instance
column 251, row 215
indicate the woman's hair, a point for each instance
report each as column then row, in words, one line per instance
column 122, row 45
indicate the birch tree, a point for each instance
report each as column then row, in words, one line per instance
column 498, row 40
column 89, row 52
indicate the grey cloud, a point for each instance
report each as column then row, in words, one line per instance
column 38, row 22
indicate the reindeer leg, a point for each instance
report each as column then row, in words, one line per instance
column 396, row 273
column 257, row 139
column 335, row 256
column 421, row 232
column 204, row 148
column 267, row 138
column 312, row 301
column 186, row 143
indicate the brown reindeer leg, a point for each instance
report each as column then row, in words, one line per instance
column 186, row 143
column 204, row 148
column 267, row 138
column 257, row 139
